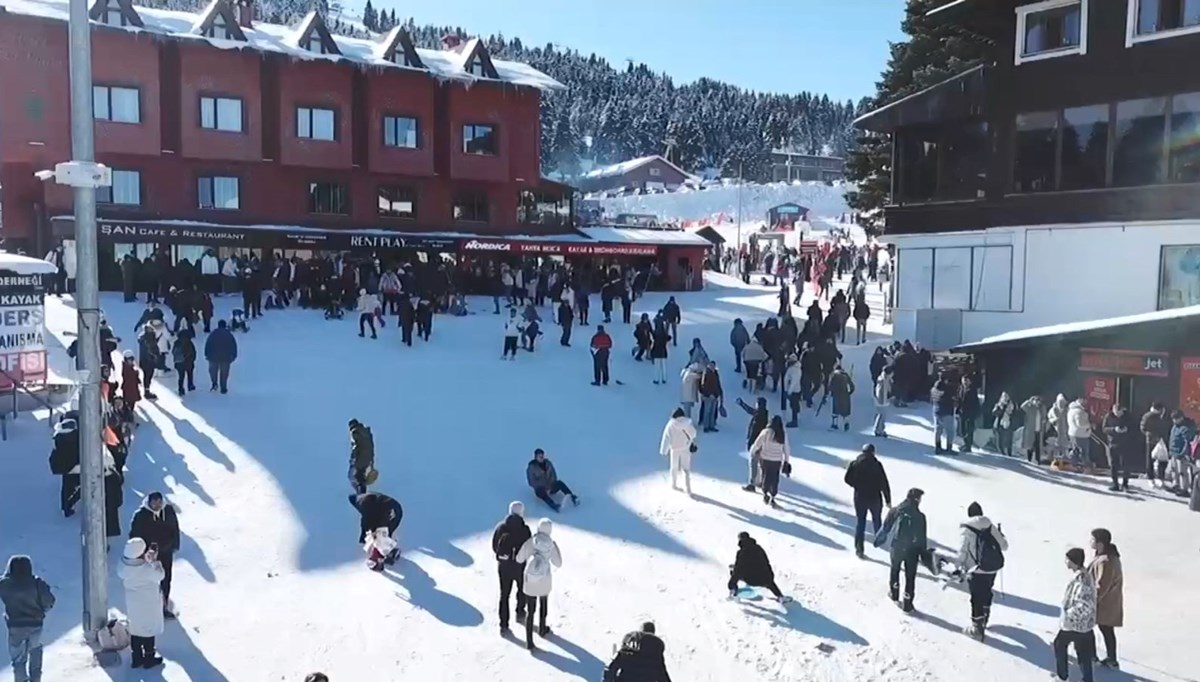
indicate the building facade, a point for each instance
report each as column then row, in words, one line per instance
column 645, row 173
column 789, row 166
column 214, row 119
column 1056, row 183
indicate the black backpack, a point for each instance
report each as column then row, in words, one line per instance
column 987, row 550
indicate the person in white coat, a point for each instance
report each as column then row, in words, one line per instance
column 142, row 574
column 791, row 388
column 1079, row 429
column 541, row 556
column 512, row 331
column 678, row 444
column 691, row 387
column 883, row 401
column 229, row 275
column 980, row 558
column 1057, row 416
column 210, row 272
column 367, row 305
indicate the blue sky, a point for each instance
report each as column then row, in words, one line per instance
column 835, row 47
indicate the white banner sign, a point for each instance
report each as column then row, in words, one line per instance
column 22, row 329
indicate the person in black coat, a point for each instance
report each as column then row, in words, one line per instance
column 672, row 316
column 752, row 567
column 871, row 491
column 658, row 353
column 64, row 462
column 1124, row 444
column 377, row 510
column 184, row 356
column 968, row 413
column 566, row 319
column 759, row 418
column 156, row 523
column 424, row 318
column 643, row 336
column 507, row 539
column 640, row 658
column 812, row 375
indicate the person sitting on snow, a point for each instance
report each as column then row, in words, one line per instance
column 753, row 568
column 543, row 479
column 640, row 658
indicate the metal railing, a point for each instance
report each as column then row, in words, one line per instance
column 18, row 387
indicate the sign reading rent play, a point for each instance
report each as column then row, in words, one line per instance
column 22, row 331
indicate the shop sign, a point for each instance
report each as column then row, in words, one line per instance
column 22, row 330
column 612, row 249
column 151, row 232
column 1099, row 393
column 1129, row 362
column 1189, row 386
column 476, row 245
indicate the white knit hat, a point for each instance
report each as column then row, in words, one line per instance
column 135, row 548
column 516, row 507
column 545, row 526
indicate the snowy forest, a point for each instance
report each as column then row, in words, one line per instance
column 611, row 113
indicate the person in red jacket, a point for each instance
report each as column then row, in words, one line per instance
column 601, row 347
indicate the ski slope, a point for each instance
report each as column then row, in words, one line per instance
column 271, row 584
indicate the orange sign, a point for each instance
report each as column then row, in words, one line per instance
column 1189, row 386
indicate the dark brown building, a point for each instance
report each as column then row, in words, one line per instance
column 646, row 173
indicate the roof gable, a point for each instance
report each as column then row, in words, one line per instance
column 218, row 15
column 397, row 47
column 313, row 34
column 115, row 13
column 476, row 60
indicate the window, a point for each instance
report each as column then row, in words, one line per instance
column 328, row 198
column 1035, row 151
column 1184, row 144
column 543, row 208
column 126, row 189
column 962, row 174
column 918, row 159
column 655, row 171
column 914, row 279
column 1178, row 285
column 477, row 68
column 1151, row 19
column 116, row 104
column 400, row 57
column 1085, row 147
column 397, row 202
column 471, row 207
column 1139, row 142
column 221, row 113
column 991, row 278
column 479, row 139
column 1054, row 28
column 315, row 124
column 400, row 131
column 113, row 16
column 315, row 44
column 219, row 192
column 220, row 30
column 956, row 278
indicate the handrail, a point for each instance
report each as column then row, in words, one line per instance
column 18, row 385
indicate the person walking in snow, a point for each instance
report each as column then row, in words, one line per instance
column 1106, row 570
column 968, row 414
column 1078, row 619
column 141, row 571
column 1057, row 418
column 980, row 558
column 678, row 444
column 601, row 346
column 905, row 528
column 866, row 475
column 643, row 336
column 771, row 449
column 512, row 332
column 672, row 316
column 362, row 456
column 712, row 397
column 1123, row 444
column 543, row 478
column 156, row 524
column 697, row 355
column 840, row 387
column 184, row 357
column 423, row 317
column 883, row 401
column 640, row 658
column 376, row 511
column 793, row 390
column 566, row 319
column 751, row 566
column 739, row 338
column 149, row 358
column 64, row 463
column 658, row 354
column 753, row 357
column 27, row 599
column 368, row 304
column 759, row 419
column 690, row 387
column 862, row 313
column 541, row 556
column 945, row 403
column 220, row 350
column 508, row 538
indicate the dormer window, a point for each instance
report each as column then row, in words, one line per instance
column 401, row 59
column 314, row 37
column 477, row 69
column 220, row 30
column 1053, row 28
column 113, row 16
column 1154, row 19
column 315, row 44
column 114, row 13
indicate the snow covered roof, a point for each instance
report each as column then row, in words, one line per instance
column 629, row 235
column 283, row 40
column 1022, row 335
column 24, row 265
column 626, row 166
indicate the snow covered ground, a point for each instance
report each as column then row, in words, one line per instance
column 272, row 585
column 825, row 201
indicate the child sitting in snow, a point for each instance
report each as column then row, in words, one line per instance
column 458, row 306
column 237, row 321
column 333, row 308
column 381, row 549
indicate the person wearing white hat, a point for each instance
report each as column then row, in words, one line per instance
column 539, row 554
column 141, row 573
column 510, row 536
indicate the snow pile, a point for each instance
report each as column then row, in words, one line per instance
column 827, row 201
column 271, row 583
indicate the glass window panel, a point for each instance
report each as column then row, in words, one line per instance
column 397, row 202
column 479, row 139
column 1166, row 15
column 1185, row 138
column 225, row 193
column 125, row 107
column 1052, row 29
column 208, row 113
column 914, row 277
column 991, row 278
column 1035, row 152
column 322, row 124
column 918, row 159
column 952, row 278
column 1140, row 141
column 229, row 114
column 126, row 188
column 1179, row 276
column 100, row 103
column 303, row 122
column 1085, row 147
column 964, row 151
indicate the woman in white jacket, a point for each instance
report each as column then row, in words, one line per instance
column 691, row 387
column 367, row 305
column 541, row 556
column 678, row 441
column 142, row 575
column 1079, row 429
column 771, row 448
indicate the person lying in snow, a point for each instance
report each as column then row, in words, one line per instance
column 543, row 479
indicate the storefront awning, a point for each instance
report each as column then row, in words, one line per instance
column 1076, row 330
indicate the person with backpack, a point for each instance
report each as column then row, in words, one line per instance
column 540, row 555
column 508, row 538
column 27, row 598
column 639, row 659
column 871, row 491
column 672, row 316
column 905, row 528
column 220, row 350
column 362, row 457
column 1078, row 619
column 1110, row 592
column 751, row 566
column 980, row 558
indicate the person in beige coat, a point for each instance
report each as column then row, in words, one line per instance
column 1110, row 596
column 771, row 448
column 678, row 443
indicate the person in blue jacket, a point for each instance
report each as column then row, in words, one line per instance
column 1179, row 445
column 220, row 349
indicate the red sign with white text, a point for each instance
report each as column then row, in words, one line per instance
column 1129, row 362
column 1099, row 393
column 571, row 249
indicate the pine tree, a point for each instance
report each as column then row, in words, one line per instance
column 935, row 50
column 369, row 18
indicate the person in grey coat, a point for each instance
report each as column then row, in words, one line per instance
column 26, row 599
column 542, row 477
